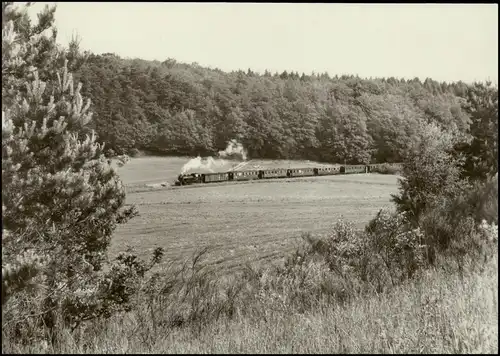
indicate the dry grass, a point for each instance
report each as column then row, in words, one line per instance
column 242, row 222
column 437, row 315
column 440, row 313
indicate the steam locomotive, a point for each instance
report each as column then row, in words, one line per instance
column 196, row 178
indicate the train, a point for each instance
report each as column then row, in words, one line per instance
column 199, row 178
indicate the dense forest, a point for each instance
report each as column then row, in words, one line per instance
column 172, row 108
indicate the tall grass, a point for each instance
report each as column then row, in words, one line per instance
column 439, row 312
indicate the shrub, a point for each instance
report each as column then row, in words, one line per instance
column 134, row 152
column 349, row 262
column 482, row 199
column 431, row 173
column 387, row 168
column 397, row 244
column 481, row 153
column 452, row 226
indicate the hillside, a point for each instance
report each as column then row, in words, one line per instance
column 171, row 108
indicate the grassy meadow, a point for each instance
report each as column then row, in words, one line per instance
column 255, row 222
column 440, row 313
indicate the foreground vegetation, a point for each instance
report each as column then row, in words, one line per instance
column 418, row 278
column 440, row 313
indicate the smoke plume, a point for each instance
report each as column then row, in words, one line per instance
column 233, row 150
column 204, row 165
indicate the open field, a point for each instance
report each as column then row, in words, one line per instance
column 252, row 222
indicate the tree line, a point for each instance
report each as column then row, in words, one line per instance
column 172, row 108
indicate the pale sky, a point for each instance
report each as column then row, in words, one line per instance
column 444, row 42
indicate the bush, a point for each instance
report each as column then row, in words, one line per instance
column 134, row 152
column 452, row 227
column 388, row 252
column 386, row 168
column 397, row 244
column 482, row 199
column 431, row 173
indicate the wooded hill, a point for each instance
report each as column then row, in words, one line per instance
column 173, row 108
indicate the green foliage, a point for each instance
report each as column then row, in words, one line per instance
column 176, row 108
column 448, row 187
column 431, row 172
column 482, row 152
column 398, row 245
column 61, row 199
column 452, row 226
column 386, row 168
column 351, row 262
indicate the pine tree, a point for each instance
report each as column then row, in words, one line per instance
column 61, row 199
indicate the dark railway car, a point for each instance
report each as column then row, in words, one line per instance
column 327, row 171
column 301, row 172
column 357, row 168
column 372, row 167
column 273, row 173
column 215, row 177
column 244, row 175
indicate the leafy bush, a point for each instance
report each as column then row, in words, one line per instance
column 431, row 173
column 481, row 152
column 386, row 168
column 397, row 244
column 440, row 200
column 348, row 262
column 134, row 152
column 452, row 227
column 482, row 199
